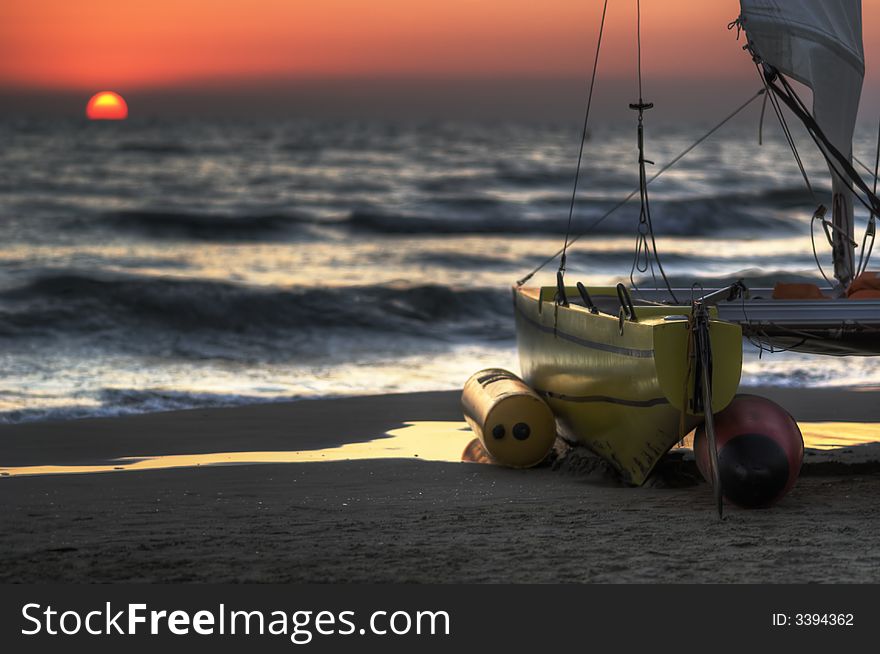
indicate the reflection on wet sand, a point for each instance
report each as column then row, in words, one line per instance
column 833, row 435
column 424, row 440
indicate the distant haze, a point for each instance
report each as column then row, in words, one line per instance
column 699, row 102
column 493, row 59
column 533, row 100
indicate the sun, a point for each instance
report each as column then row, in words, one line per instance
column 107, row 105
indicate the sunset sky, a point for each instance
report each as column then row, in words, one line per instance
column 90, row 45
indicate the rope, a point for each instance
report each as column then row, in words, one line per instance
column 840, row 165
column 738, row 25
column 761, row 120
column 835, row 160
column 698, row 325
column 687, row 378
column 871, row 229
column 681, row 155
column 786, row 131
column 646, row 226
column 865, row 166
column 577, row 171
column 818, row 216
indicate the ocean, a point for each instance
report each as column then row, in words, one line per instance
column 149, row 265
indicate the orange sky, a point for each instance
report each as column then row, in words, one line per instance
column 120, row 44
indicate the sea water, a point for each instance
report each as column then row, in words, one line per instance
column 150, row 265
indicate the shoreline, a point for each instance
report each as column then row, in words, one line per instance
column 406, row 519
column 823, row 404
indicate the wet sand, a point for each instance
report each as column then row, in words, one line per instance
column 408, row 519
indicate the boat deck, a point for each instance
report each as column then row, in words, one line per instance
column 824, row 326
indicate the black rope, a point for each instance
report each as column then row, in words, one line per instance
column 761, row 120
column 777, row 109
column 865, row 166
column 840, row 165
column 623, row 201
column 577, row 171
column 871, row 229
column 819, row 214
column 877, row 159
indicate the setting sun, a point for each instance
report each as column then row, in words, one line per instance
column 107, row 105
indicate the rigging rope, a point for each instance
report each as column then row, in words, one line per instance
column 871, row 229
column 761, row 120
column 819, row 213
column 819, row 216
column 577, row 171
column 839, row 164
column 645, row 254
column 681, row 155
column 785, row 130
column 865, row 166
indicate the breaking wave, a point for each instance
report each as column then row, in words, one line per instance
column 92, row 304
column 203, row 226
column 714, row 215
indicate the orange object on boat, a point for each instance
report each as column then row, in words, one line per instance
column 865, row 287
column 786, row 291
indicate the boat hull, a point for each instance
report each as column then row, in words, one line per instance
column 620, row 387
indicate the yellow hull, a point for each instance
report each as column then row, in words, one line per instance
column 619, row 386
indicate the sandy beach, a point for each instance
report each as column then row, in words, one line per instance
column 402, row 517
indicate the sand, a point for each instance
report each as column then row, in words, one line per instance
column 411, row 520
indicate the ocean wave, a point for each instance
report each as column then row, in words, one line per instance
column 153, row 147
column 207, row 319
column 620, row 260
column 78, row 303
column 455, row 182
column 204, row 226
column 532, row 176
column 478, row 213
column 113, row 402
column 464, row 260
column 378, row 222
column 721, row 214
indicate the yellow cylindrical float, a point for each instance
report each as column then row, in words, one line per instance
column 512, row 421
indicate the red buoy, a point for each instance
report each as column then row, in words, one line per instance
column 760, row 451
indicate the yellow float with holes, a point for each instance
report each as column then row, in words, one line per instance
column 513, row 423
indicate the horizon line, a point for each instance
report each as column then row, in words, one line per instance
column 218, row 83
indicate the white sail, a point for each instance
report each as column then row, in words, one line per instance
column 818, row 43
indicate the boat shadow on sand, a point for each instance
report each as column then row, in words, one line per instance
column 678, row 468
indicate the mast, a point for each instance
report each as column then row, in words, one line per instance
column 646, row 254
column 842, row 230
column 818, row 43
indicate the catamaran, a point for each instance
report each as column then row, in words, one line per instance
column 628, row 371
